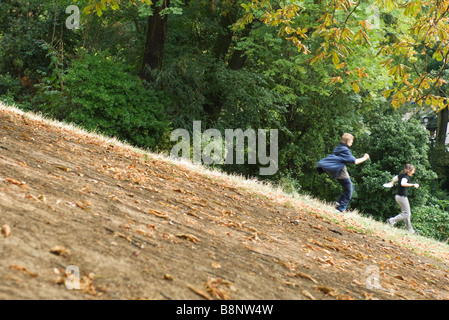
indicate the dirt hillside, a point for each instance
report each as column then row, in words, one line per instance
column 136, row 226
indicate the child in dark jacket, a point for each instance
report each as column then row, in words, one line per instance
column 335, row 165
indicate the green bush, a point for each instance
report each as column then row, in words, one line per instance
column 10, row 88
column 432, row 220
column 391, row 143
column 105, row 97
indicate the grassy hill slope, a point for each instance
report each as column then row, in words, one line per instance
column 140, row 226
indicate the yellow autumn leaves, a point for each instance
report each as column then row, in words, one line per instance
column 341, row 27
column 98, row 6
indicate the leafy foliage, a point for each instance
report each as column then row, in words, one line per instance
column 10, row 88
column 103, row 96
column 391, row 142
column 341, row 27
column 99, row 6
column 432, row 220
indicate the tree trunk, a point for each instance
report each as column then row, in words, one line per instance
column 238, row 57
column 224, row 38
column 442, row 126
column 156, row 34
column 237, row 60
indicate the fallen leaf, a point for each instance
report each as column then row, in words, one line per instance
column 191, row 213
column 344, row 297
column 214, row 286
column 121, row 235
column 60, row 251
column 16, row 182
column 6, row 230
column 306, row 276
column 216, row 265
column 80, row 205
column 159, row 214
column 167, row 277
column 189, row 237
column 179, row 190
column 87, row 284
column 27, row 137
column 327, row 290
column 60, row 280
column 62, row 168
column 30, row 196
column 201, row 293
column 308, row 294
column 405, row 298
column 26, row 270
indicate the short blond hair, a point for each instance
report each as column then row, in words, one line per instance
column 346, row 137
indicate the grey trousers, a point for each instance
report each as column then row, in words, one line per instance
column 405, row 213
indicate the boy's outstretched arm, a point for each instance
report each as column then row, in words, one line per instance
column 362, row 159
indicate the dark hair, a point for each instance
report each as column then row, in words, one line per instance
column 407, row 168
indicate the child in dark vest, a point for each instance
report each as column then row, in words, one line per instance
column 401, row 197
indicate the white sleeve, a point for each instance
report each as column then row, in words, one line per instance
column 404, row 181
column 396, row 178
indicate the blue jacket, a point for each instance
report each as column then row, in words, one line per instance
column 334, row 163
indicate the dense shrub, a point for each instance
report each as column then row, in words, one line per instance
column 10, row 88
column 103, row 96
column 432, row 220
column 391, row 143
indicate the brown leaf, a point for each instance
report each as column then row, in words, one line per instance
column 60, row 251
column 30, row 196
column 60, row 280
column 159, row 214
column 14, row 181
column 306, row 276
column 26, row 270
column 214, row 286
column 405, row 298
column 308, row 294
column 62, row 168
column 121, row 235
column 80, row 205
column 27, row 137
column 344, row 297
column 189, row 237
column 201, row 293
column 87, row 284
column 6, row 230
column 191, row 213
column 327, row 290
column 167, row 277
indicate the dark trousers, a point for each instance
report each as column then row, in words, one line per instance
column 346, row 195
